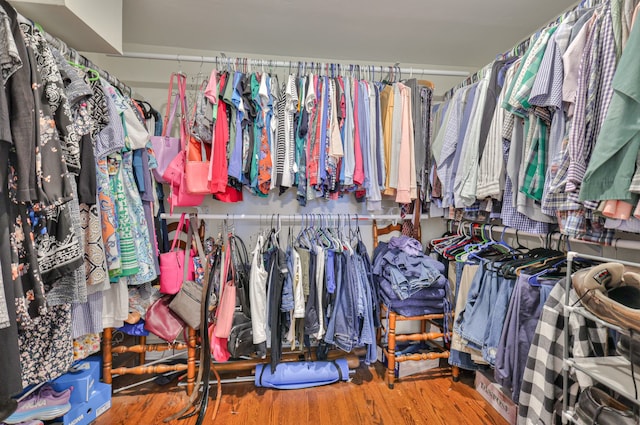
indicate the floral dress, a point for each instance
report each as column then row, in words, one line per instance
column 44, row 241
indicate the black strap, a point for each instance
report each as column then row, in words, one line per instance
column 339, row 369
column 264, row 366
column 633, row 371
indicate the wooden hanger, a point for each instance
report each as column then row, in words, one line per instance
column 427, row 83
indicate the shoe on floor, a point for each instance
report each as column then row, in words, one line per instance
column 33, row 422
column 44, row 404
column 7, row 407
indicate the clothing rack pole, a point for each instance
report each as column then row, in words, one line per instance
column 616, row 243
column 289, row 217
column 223, row 60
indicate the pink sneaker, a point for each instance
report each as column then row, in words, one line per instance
column 41, row 405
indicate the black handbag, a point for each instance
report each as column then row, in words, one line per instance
column 241, row 269
column 240, row 343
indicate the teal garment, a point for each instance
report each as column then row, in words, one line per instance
column 520, row 95
column 257, row 134
column 536, row 163
column 520, row 65
column 613, row 160
column 227, row 98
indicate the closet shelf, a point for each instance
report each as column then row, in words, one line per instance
column 571, row 417
column 612, row 371
column 615, row 372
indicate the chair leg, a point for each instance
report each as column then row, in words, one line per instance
column 391, row 350
column 142, row 357
column 107, row 357
column 455, row 372
column 191, row 360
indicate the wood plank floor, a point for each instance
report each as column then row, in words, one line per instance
column 428, row 398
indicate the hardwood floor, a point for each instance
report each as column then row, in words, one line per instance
column 428, row 398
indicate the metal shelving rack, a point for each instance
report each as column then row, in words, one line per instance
column 615, row 372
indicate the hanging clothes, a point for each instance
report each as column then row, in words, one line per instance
column 547, row 108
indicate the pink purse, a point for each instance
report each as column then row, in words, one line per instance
column 180, row 197
column 227, row 304
column 218, row 346
column 175, row 173
column 175, row 170
column 165, row 147
column 172, row 263
column 197, row 171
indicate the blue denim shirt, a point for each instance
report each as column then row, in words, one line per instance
column 407, row 273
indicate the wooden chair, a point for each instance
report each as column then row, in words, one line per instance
column 143, row 368
column 141, row 348
column 392, row 319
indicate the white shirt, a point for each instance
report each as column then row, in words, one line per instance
column 258, row 294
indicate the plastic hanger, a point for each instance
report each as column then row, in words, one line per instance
column 533, row 279
column 95, row 76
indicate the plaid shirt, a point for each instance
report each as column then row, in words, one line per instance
column 509, row 214
column 547, row 89
column 599, row 92
column 527, row 77
column 542, row 380
column 578, row 133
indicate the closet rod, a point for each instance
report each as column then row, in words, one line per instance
column 221, row 60
column 617, row 243
column 289, row 217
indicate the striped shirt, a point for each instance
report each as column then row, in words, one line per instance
column 491, row 171
column 289, row 143
column 281, row 142
column 523, row 85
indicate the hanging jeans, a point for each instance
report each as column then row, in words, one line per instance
column 481, row 306
column 518, row 331
column 366, row 323
column 496, row 319
column 342, row 324
column 470, row 272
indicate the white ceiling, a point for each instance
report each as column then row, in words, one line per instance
column 439, row 32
